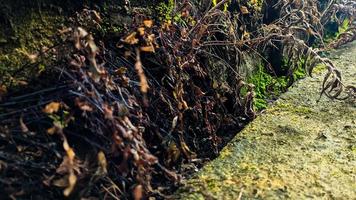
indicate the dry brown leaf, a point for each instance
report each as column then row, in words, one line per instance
column 186, row 151
column 185, row 105
column 23, row 126
column 197, row 91
column 138, row 192
column 173, row 153
column 52, row 107
column 131, row 39
column 184, row 33
column 151, row 38
column 150, row 49
column 82, row 33
column 108, row 111
column 52, row 130
column 62, row 182
column 66, row 145
column 97, row 17
column 69, row 167
column 148, row 23
column 174, row 122
column 47, row 180
column 246, row 35
column 121, row 71
column 84, row 106
column 185, row 13
column 3, row 90
column 141, row 31
column 310, row 31
column 244, row 10
column 70, row 153
column 77, row 61
column 79, row 34
column 127, row 54
column 167, row 25
column 72, row 180
column 95, row 69
column 215, row 84
column 170, row 174
column 151, row 159
column 65, row 30
column 139, row 69
column 21, row 82
column 92, row 46
column 102, row 162
column 298, row 3
column 32, row 57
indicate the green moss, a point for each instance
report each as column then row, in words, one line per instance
column 226, row 5
column 165, row 11
column 266, row 85
column 319, row 69
column 166, row 14
column 299, row 73
column 332, row 33
column 288, row 107
column 343, row 27
column 31, row 31
column 37, row 30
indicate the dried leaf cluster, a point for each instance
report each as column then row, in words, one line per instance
column 128, row 116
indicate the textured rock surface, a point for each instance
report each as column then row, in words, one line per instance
column 297, row 149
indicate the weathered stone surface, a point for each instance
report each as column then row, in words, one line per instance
column 297, row 149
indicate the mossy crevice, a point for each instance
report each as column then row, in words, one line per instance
column 268, row 86
column 334, row 29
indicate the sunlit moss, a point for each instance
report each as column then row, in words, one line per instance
column 226, row 5
column 269, row 86
column 266, row 86
column 32, row 32
column 319, row 69
column 333, row 30
column 287, row 107
column 343, row 27
column 165, row 10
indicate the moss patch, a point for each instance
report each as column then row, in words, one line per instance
column 333, row 29
column 269, row 87
column 31, row 31
column 165, row 10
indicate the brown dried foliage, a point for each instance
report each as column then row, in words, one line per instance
column 127, row 118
